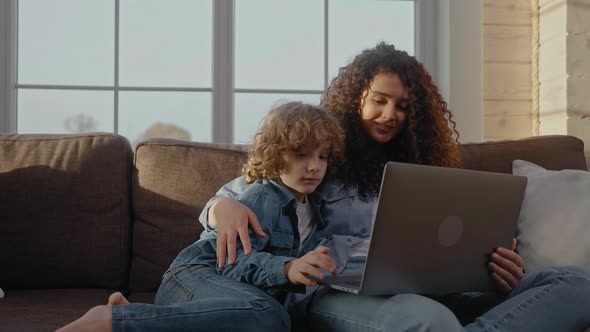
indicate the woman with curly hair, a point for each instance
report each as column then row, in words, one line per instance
column 379, row 81
column 287, row 161
column 391, row 110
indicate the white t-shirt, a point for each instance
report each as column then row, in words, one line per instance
column 304, row 218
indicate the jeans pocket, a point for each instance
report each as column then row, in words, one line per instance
column 173, row 290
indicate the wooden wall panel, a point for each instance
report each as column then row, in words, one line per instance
column 502, row 126
column 507, row 55
column 552, row 59
column 509, row 108
column 553, row 96
column 495, row 12
column 507, row 43
column 551, row 20
column 553, row 124
column 507, row 81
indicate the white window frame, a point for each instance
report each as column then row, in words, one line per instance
column 428, row 36
column 8, row 66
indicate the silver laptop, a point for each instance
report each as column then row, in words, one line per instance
column 434, row 229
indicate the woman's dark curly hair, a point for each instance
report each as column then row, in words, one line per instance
column 426, row 138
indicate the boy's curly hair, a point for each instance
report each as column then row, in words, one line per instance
column 426, row 139
column 291, row 127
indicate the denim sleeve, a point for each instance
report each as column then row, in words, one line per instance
column 259, row 268
column 231, row 189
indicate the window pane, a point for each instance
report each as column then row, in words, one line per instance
column 250, row 109
column 355, row 25
column 279, row 44
column 166, row 43
column 179, row 115
column 64, row 111
column 66, row 42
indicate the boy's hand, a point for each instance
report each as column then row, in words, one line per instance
column 299, row 270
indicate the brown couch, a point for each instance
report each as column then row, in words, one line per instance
column 82, row 215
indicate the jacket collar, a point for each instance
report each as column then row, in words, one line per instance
column 288, row 200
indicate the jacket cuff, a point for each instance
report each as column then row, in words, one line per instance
column 277, row 270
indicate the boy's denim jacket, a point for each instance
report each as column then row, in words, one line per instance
column 275, row 208
column 346, row 216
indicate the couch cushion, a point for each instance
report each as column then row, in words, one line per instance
column 47, row 309
column 550, row 152
column 65, row 211
column 554, row 223
column 172, row 182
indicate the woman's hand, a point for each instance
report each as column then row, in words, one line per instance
column 298, row 271
column 231, row 219
column 507, row 267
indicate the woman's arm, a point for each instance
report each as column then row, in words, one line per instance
column 230, row 219
column 263, row 269
column 231, row 189
column 259, row 268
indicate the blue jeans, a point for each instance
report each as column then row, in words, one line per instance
column 555, row 299
column 197, row 298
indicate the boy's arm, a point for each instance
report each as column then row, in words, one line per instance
column 259, row 268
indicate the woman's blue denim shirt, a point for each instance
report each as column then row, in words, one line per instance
column 275, row 208
column 348, row 219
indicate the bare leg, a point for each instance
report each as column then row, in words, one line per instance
column 97, row 318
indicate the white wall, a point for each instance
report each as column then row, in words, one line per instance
column 564, row 69
column 459, row 71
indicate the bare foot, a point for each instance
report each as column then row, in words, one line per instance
column 96, row 319
column 116, row 299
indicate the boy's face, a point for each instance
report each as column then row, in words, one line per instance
column 305, row 169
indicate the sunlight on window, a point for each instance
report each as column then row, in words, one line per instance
column 166, row 43
column 64, row 111
column 356, row 25
column 66, row 42
column 283, row 51
column 279, row 44
column 252, row 107
column 178, row 115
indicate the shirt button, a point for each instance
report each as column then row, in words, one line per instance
column 363, row 230
column 330, row 195
column 348, row 240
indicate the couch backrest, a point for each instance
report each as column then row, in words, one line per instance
column 64, row 210
column 550, row 152
column 173, row 180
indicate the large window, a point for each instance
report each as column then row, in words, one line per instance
column 147, row 68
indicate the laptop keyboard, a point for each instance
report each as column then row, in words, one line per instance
column 344, row 280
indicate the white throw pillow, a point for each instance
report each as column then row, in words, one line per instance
column 554, row 223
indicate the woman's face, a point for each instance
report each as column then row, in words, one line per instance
column 382, row 109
